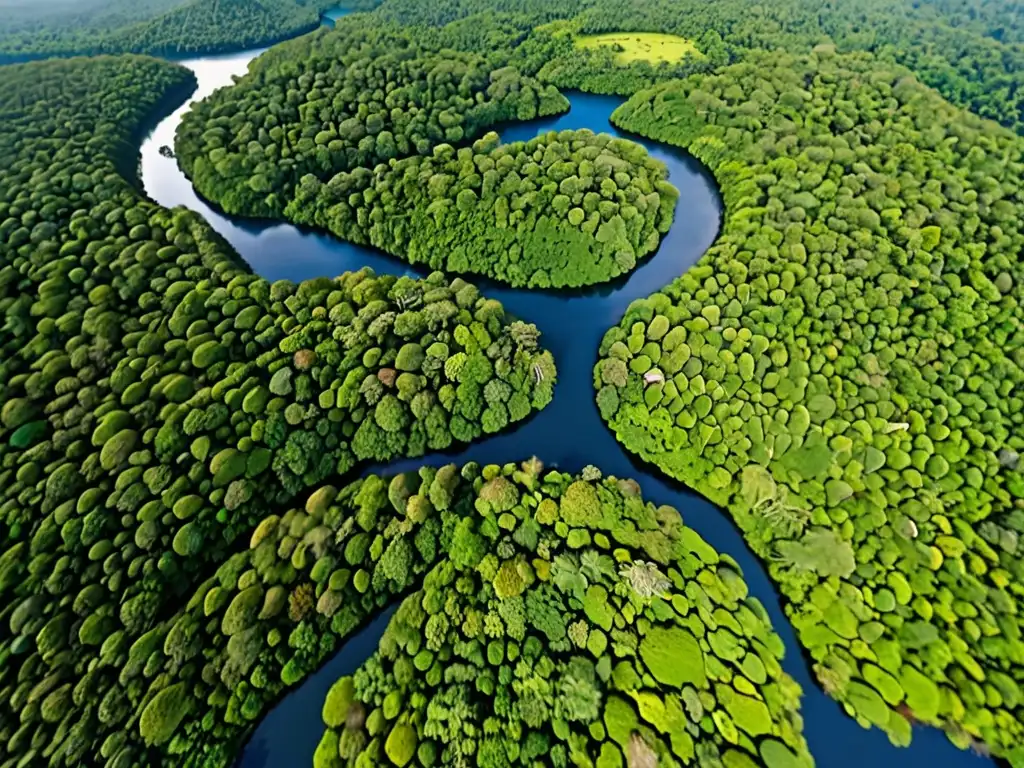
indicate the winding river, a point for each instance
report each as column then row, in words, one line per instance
column 568, row 434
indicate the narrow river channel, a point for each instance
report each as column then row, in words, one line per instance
column 568, row 434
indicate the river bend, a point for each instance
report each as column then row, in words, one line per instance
column 568, row 434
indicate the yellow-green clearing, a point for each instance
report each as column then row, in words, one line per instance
column 641, row 46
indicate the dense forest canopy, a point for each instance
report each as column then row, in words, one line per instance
column 38, row 17
column 563, row 209
column 845, row 364
column 970, row 50
column 844, row 370
column 353, row 131
column 942, row 42
column 564, row 622
column 1001, row 20
column 162, row 27
column 337, row 101
column 157, row 398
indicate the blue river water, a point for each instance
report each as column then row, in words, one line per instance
column 330, row 17
column 568, row 434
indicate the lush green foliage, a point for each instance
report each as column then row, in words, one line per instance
column 973, row 52
column 844, row 371
column 164, row 27
column 969, row 67
column 1001, row 20
column 156, row 397
column 974, row 57
column 24, row 19
column 563, row 209
column 299, row 135
column 535, row 634
column 342, row 99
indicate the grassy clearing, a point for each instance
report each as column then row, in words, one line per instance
column 641, row 46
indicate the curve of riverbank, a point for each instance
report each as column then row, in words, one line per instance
column 568, row 434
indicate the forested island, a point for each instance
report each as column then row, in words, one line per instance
column 185, row 529
column 383, row 170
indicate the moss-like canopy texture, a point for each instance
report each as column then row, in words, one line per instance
column 155, row 27
column 342, row 99
column 356, row 131
column 157, row 399
column 844, row 371
column 564, row 209
column 551, row 618
column 970, row 52
column 566, row 622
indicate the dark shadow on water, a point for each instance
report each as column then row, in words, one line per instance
column 568, row 434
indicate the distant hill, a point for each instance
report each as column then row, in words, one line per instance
column 34, row 30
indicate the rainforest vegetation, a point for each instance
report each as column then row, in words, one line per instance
column 566, row 209
column 975, row 58
column 337, row 101
column 558, row 621
column 843, row 370
column 972, row 51
column 157, row 397
column 353, row 131
column 546, row 617
column 34, row 30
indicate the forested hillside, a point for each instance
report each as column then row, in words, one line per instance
column 41, row 21
column 844, row 371
column 160, row 27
